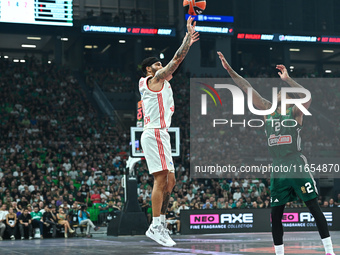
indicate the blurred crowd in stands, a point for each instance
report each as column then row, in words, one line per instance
column 53, row 147
column 55, row 150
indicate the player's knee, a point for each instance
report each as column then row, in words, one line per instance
column 171, row 181
column 173, row 184
column 161, row 182
column 161, row 185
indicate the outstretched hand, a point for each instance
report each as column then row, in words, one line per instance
column 283, row 72
column 194, row 38
column 224, row 62
column 191, row 26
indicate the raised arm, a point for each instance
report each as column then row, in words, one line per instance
column 285, row 77
column 194, row 38
column 260, row 102
column 166, row 72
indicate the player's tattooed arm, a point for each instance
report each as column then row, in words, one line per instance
column 259, row 101
column 188, row 40
column 170, row 68
column 166, row 199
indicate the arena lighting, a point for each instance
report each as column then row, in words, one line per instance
column 148, row 49
column 28, row 45
column 129, row 30
column 16, row 60
column 22, row 60
column 106, row 48
column 65, row 39
column 49, row 62
column 161, row 56
column 91, row 46
column 5, row 56
column 328, row 71
column 33, row 38
column 293, row 49
column 328, row 51
column 291, row 67
column 122, row 41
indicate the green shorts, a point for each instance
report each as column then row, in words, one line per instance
column 289, row 186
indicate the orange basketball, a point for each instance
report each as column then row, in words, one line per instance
column 194, row 7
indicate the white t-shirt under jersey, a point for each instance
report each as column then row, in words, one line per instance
column 158, row 106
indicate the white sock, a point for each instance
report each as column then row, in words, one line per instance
column 162, row 219
column 156, row 221
column 279, row 249
column 327, row 243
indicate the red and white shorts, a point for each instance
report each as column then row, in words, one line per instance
column 157, row 149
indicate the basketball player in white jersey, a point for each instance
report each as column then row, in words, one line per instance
column 158, row 107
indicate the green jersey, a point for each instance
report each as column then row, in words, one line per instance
column 36, row 216
column 284, row 144
column 283, row 134
column 103, row 206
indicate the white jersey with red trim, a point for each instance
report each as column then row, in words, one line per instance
column 158, row 106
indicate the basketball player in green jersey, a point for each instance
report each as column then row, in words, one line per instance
column 284, row 146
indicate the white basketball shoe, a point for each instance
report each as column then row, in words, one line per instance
column 160, row 235
column 165, row 225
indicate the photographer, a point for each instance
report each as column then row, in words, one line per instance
column 84, row 219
